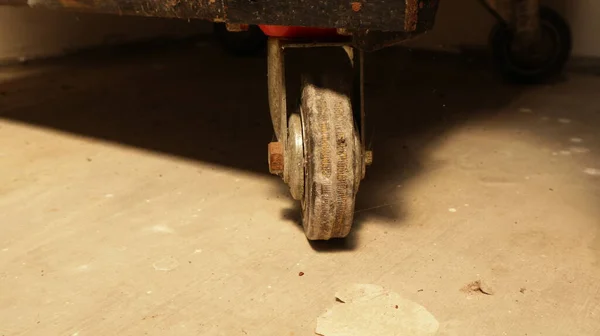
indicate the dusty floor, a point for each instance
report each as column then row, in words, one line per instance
column 135, row 200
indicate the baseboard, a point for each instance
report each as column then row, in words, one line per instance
column 584, row 64
column 141, row 45
column 579, row 64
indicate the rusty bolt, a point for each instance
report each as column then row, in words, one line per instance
column 356, row 6
column 236, row 27
column 344, row 32
column 276, row 158
column 368, row 158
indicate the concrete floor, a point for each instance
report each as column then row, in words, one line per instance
column 135, row 200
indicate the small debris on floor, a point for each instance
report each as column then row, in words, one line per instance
column 525, row 110
column 477, row 286
column 160, row 228
column 367, row 309
column 579, row 150
column 564, row 120
column 522, row 290
column 166, row 264
column 301, row 274
column 592, row 171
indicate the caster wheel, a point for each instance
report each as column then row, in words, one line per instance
column 245, row 43
column 548, row 59
column 324, row 156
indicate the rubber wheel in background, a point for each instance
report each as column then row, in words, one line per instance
column 556, row 48
column 246, row 43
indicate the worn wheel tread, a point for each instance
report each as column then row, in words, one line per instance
column 331, row 140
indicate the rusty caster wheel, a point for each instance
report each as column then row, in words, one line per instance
column 324, row 157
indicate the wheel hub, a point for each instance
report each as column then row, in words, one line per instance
column 293, row 173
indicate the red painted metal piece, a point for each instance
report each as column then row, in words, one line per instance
column 298, row 32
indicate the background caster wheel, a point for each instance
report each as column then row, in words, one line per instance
column 244, row 43
column 332, row 150
column 550, row 57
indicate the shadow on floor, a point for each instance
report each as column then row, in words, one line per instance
column 199, row 103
